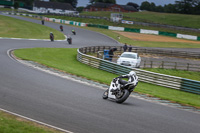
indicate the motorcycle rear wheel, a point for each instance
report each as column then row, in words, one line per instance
column 121, row 98
column 105, row 94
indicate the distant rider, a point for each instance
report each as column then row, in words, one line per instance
column 51, row 36
column 61, row 28
column 69, row 39
column 73, row 31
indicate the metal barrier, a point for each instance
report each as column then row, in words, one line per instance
column 144, row 76
column 172, row 53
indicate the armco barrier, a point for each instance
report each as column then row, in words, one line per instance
column 132, row 30
column 187, row 83
column 141, row 50
column 187, row 36
column 149, row 31
column 98, row 26
column 144, row 76
column 167, row 34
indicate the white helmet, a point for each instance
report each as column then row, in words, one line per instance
column 132, row 73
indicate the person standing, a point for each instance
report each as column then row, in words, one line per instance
column 130, row 48
column 125, row 47
column 118, row 37
column 42, row 22
column 111, row 53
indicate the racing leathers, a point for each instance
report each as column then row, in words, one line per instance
column 132, row 78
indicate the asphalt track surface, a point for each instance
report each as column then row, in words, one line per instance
column 78, row 107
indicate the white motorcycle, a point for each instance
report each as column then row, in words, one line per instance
column 118, row 92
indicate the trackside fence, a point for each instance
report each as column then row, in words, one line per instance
column 140, row 50
column 153, row 63
column 144, row 76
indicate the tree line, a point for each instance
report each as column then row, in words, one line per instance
column 181, row 6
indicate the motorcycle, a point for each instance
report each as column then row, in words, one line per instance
column 69, row 40
column 61, row 28
column 52, row 37
column 117, row 92
column 74, row 33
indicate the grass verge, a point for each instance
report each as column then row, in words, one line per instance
column 65, row 59
column 184, row 20
column 11, row 27
column 129, row 41
column 8, row 124
column 179, row 73
column 109, row 23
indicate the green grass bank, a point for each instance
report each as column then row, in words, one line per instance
column 151, row 17
column 183, row 20
column 65, row 59
column 13, row 124
column 15, row 28
column 129, row 41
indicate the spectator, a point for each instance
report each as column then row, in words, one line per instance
column 125, row 47
column 130, row 48
column 118, row 37
column 42, row 22
column 111, row 53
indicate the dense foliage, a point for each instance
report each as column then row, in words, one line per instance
column 104, row 1
column 72, row 2
column 181, row 6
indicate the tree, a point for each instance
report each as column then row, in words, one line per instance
column 26, row 2
column 159, row 8
column 170, row 8
column 196, row 8
column 72, row 2
column 110, row 1
column 103, row 1
column 145, row 6
column 186, row 6
column 80, row 9
column 16, row 5
column 180, row 6
column 152, row 6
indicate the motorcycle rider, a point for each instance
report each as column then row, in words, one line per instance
column 51, row 36
column 61, row 28
column 73, row 31
column 132, row 78
column 69, row 39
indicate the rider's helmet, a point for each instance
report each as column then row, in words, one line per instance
column 132, row 73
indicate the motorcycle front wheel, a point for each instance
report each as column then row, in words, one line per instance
column 105, row 94
column 122, row 96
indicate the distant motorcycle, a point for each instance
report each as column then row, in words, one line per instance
column 51, row 37
column 73, row 31
column 61, row 28
column 69, row 40
column 117, row 92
